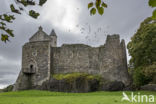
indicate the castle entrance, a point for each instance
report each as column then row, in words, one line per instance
column 29, row 80
column 29, row 73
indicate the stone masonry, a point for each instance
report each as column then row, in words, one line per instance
column 41, row 58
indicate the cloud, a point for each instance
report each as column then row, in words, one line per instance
column 61, row 14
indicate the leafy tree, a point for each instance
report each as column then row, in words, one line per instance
column 142, row 49
column 150, row 72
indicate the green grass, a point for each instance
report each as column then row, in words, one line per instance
column 46, row 97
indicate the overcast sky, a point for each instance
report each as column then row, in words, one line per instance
column 73, row 24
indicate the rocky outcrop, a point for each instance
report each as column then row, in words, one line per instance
column 149, row 87
column 79, row 85
column 112, row 86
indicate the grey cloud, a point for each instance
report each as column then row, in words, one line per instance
column 8, row 79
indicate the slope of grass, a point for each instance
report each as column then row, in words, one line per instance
column 46, row 97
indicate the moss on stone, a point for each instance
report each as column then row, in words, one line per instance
column 73, row 76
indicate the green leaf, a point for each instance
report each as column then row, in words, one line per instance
column 33, row 14
column 152, row 3
column 154, row 14
column 90, row 5
column 30, row 2
column 12, row 17
column 13, row 9
column 2, row 27
column 98, row 2
column 10, row 32
column 101, row 10
column 92, row 11
column 24, row 2
column 2, row 23
column 7, row 18
column 104, row 5
column 4, row 37
column 42, row 2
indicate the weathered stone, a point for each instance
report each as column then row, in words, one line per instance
column 79, row 85
column 149, row 87
column 41, row 58
column 113, row 86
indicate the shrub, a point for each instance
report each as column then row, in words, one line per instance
column 8, row 89
column 150, row 71
column 139, row 78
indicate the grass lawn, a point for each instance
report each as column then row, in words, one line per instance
column 46, row 97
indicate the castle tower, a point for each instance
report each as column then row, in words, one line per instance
column 54, row 38
column 36, row 62
column 113, row 60
column 40, row 35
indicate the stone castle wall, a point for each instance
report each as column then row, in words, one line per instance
column 75, row 58
column 40, row 60
column 35, row 65
column 112, row 60
column 108, row 60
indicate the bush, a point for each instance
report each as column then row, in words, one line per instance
column 150, row 71
column 139, row 78
column 8, row 89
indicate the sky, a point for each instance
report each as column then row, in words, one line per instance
column 72, row 23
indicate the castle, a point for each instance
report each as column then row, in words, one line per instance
column 41, row 58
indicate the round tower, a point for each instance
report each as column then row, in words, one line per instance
column 53, row 38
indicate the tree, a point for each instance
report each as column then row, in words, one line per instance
column 142, row 49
